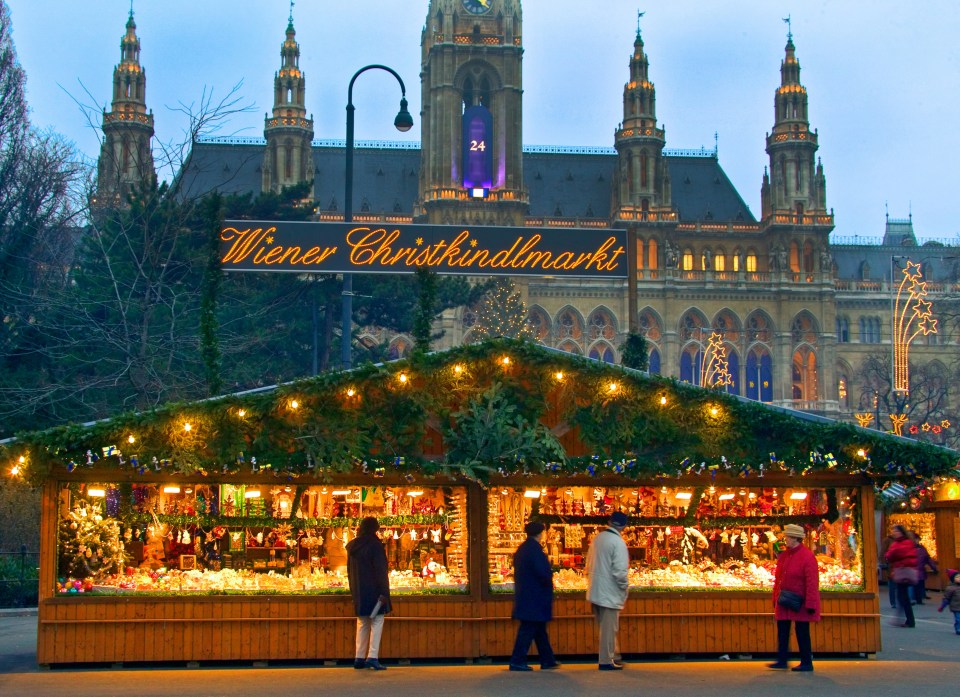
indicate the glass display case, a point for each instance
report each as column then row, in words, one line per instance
column 130, row 538
column 680, row 537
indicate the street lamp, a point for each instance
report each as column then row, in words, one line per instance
column 403, row 122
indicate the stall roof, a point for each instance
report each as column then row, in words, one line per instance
column 494, row 408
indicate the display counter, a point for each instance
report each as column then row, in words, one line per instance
column 197, row 571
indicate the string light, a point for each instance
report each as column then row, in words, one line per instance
column 613, row 387
column 457, row 369
column 402, row 378
column 351, row 392
column 505, row 361
column 558, row 376
column 663, row 401
column 131, row 439
column 187, row 427
column 294, row 404
column 241, row 413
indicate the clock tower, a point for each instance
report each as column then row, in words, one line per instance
column 471, row 140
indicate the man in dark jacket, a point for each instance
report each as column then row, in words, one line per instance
column 532, row 600
column 370, row 588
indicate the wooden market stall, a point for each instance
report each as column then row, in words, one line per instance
column 224, row 540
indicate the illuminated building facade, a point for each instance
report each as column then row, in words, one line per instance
column 795, row 314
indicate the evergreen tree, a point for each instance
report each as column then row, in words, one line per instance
column 502, row 312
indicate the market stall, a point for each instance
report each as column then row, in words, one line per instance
column 216, row 530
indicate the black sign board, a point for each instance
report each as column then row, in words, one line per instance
column 360, row 247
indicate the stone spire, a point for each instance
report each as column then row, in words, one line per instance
column 288, row 158
column 126, row 158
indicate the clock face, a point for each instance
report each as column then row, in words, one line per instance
column 477, row 7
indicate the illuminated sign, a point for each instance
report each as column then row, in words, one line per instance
column 321, row 247
column 477, row 148
column 912, row 316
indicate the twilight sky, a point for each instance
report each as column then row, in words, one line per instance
column 883, row 79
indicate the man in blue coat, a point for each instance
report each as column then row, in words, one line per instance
column 532, row 600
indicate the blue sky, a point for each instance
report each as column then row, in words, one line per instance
column 883, row 79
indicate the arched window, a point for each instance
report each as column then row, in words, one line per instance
column 843, row 330
column 735, row 260
column 640, row 258
column 643, row 170
column 794, row 257
column 652, row 254
column 688, row 260
column 719, row 263
column 808, row 257
column 804, row 374
column 653, row 361
column 602, row 325
column 691, row 363
column 570, row 347
column 602, row 352
column 539, row 323
column 751, row 262
column 759, row 375
column 733, row 367
column 569, row 325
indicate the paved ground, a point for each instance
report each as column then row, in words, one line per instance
column 923, row 661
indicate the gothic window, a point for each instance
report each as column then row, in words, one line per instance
column 469, row 319
column 808, row 257
column 652, row 254
column 650, row 326
column 289, row 95
column 539, row 323
column 570, row 347
column 759, row 374
column 733, row 367
column 804, row 329
column 865, row 271
column 639, row 253
column 799, row 176
column 691, row 363
column 728, row 326
column 843, row 330
column 643, row 170
column 751, row 261
column 653, row 361
column 804, row 374
column 602, row 351
column 601, row 326
column 692, row 326
column 688, row 260
column 569, row 326
column 794, row 257
column 758, row 328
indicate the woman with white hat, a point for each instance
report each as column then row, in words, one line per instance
column 796, row 598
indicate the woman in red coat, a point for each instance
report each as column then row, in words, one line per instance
column 902, row 557
column 797, row 573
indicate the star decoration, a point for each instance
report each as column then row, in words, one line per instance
column 269, row 240
column 473, row 243
column 925, row 427
column 419, row 241
column 945, row 423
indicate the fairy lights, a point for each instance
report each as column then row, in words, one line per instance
column 863, row 418
column 912, row 316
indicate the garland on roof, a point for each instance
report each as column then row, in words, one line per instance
column 503, row 407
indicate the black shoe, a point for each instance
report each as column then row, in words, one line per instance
column 359, row 664
column 374, row 664
column 551, row 666
column 611, row 666
column 520, row 667
column 779, row 665
column 908, row 625
column 802, row 669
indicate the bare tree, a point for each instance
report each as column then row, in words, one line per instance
column 929, row 407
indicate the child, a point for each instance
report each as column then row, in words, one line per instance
column 951, row 597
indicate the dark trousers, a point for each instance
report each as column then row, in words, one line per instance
column 903, row 600
column 803, row 642
column 532, row 632
column 920, row 591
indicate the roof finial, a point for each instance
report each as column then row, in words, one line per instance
column 131, row 8
column 639, row 15
column 292, row 3
column 789, row 28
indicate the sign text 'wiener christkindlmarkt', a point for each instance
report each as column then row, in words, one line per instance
column 323, row 247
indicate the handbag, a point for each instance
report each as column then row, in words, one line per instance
column 905, row 574
column 790, row 600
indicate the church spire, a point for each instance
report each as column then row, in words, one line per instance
column 288, row 158
column 795, row 186
column 126, row 159
column 642, row 187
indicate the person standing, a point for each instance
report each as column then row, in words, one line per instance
column 797, row 576
column 902, row 557
column 608, row 563
column 951, row 598
column 924, row 561
column 532, row 600
column 370, row 588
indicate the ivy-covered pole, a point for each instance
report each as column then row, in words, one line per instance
column 212, row 278
column 426, row 304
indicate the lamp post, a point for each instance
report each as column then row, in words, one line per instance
column 403, row 122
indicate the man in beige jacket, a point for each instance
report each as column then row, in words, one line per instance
column 607, row 564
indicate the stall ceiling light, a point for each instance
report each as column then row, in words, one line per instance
column 684, row 495
column 725, row 497
column 340, row 492
column 798, row 495
column 251, row 494
column 96, row 491
column 415, row 493
column 532, row 493
column 171, row 489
